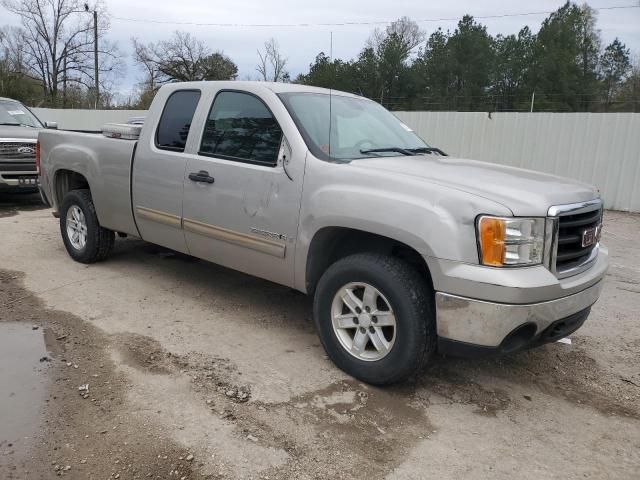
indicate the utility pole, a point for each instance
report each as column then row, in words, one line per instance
column 64, row 80
column 95, row 53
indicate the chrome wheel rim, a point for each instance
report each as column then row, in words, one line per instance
column 76, row 227
column 363, row 321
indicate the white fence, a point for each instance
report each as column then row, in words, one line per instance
column 602, row 149
column 91, row 120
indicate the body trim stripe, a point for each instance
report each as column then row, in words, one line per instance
column 160, row 217
column 270, row 247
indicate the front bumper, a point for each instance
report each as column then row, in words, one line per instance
column 507, row 311
column 488, row 324
column 18, row 176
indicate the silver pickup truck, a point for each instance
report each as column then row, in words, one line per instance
column 406, row 251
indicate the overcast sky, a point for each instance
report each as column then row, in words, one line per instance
column 302, row 44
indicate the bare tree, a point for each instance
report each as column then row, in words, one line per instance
column 272, row 64
column 182, row 58
column 55, row 44
column 406, row 31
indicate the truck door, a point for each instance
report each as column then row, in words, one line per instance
column 158, row 170
column 242, row 189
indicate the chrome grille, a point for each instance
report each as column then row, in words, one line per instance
column 17, row 150
column 573, row 224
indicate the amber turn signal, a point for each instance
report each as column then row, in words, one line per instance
column 492, row 239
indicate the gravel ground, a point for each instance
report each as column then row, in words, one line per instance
column 196, row 371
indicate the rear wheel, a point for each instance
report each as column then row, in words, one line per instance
column 85, row 240
column 375, row 317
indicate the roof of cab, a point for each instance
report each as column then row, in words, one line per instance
column 276, row 87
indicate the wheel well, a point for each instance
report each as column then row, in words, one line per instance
column 333, row 243
column 67, row 180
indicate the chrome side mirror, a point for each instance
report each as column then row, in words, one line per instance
column 51, row 125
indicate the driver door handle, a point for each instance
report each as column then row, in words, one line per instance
column 201, row 176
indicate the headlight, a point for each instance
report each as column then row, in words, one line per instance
column 510, row 241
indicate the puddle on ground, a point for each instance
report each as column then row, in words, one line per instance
column 23, row 363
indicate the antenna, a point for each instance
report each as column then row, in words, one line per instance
column 330, row 86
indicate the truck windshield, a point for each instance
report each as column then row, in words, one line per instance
column 14, row 113
column 360, row 128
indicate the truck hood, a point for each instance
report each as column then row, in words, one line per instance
column 524, row 192
column 26, row 133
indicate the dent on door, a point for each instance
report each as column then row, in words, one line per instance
column 258, row 192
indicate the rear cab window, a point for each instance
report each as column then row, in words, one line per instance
column 241, row 127
column 175, row 121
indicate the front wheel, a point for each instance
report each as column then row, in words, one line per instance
column 375, row 317
column 85, row 240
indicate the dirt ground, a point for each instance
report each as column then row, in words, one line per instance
column 158, row 365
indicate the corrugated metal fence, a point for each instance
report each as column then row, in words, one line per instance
column 87, row 120
column 602, row 149
column 598, row 148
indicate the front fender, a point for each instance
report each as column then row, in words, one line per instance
column 435, row 220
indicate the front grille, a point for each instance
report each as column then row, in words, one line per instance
column 17, row 150
column 18, row 166
column 571, row 229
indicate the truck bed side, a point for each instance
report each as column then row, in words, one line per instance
column 104, row 162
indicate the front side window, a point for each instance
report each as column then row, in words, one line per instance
column 15, row 114
column 241, row 127
column 343, row 128
column 175, row 122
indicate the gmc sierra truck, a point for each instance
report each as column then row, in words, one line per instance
column 19, row 129
column 405, row 250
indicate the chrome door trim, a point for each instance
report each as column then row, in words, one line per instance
column 270, row 247
column 159, row 216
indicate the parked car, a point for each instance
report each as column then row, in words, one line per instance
column 18, row 134
column 405, row 251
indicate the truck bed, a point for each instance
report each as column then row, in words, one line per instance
column 104, row 162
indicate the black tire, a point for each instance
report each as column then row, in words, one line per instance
column 99, row 242
column 412, row 301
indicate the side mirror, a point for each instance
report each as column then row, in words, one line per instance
column 284, row 155
column 51, row 125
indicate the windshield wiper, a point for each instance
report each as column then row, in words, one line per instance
column 428, row 150
column 12, row 124
column 403, row 151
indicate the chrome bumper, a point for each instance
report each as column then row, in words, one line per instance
column 484, row 323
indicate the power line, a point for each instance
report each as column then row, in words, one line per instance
column 344, row 24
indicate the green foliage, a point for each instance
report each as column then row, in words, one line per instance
column 564, row 65
column 615, row 65
column 473, row 58
column 330, row 74
column 510, row 79
column 470, row 70
column 17, row 85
